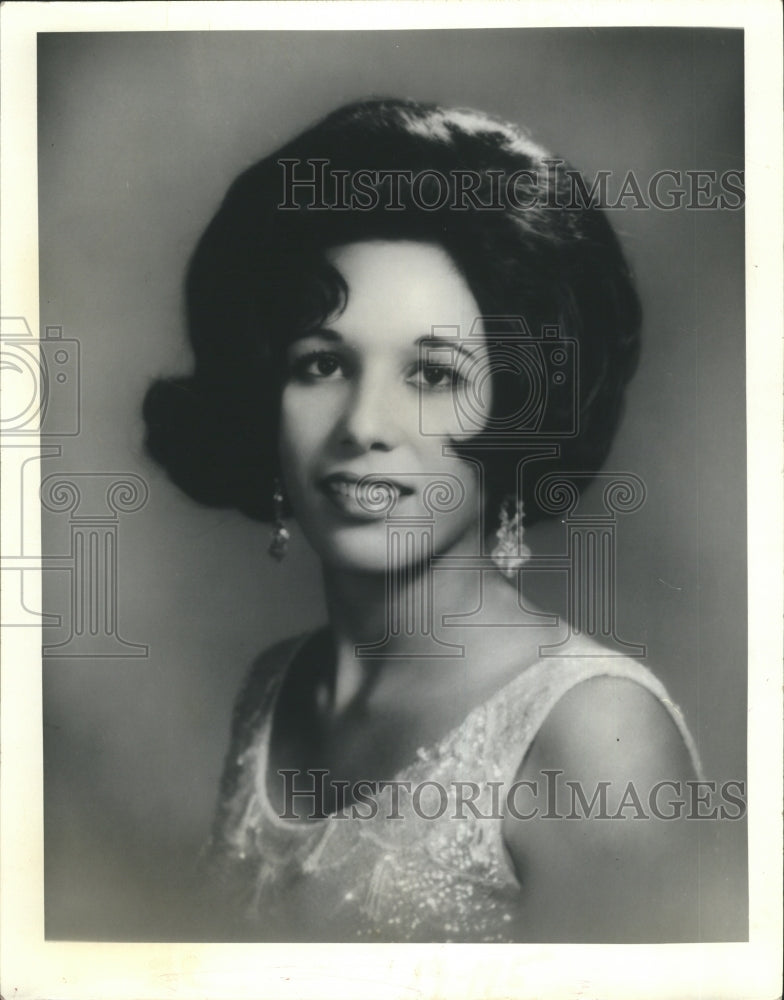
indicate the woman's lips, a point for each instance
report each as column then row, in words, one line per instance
column 366, row 498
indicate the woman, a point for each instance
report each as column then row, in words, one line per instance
column 372, row 312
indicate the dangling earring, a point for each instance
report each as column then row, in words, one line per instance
column 509, row 553
column 280, row 534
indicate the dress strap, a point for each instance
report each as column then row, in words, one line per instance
column 529, row 699
column 235, row 817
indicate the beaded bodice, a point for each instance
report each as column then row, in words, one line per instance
column 421, row 859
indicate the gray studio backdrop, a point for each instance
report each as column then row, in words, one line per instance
column 140, row 134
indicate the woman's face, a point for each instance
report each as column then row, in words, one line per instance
column 377, row 392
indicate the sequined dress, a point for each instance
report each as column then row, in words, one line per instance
column 436, row 872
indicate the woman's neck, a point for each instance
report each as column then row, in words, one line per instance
column 385, row 621
column 399, row 608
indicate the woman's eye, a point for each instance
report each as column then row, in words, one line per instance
column 436, row 376
column 317, row 365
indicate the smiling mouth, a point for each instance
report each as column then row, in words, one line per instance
column 365, row 498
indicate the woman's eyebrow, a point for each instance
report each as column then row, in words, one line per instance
column 432, row 340
column 317, row 331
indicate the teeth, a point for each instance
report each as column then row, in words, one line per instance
column 347, row 489
column 342, row 488
column 371, row 492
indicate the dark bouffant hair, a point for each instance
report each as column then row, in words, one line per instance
column 259, row 275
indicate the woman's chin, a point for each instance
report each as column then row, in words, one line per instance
column 351, row 550
column 371, row 551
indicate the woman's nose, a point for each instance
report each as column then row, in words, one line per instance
column 369, row 420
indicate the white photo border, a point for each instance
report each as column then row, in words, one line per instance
column 35, row 968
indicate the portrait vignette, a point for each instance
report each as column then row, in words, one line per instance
column 89, row 222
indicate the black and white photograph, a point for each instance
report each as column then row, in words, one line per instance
column 383, row 496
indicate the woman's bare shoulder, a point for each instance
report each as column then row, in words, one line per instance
column 603, row 856
column 611, row 727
